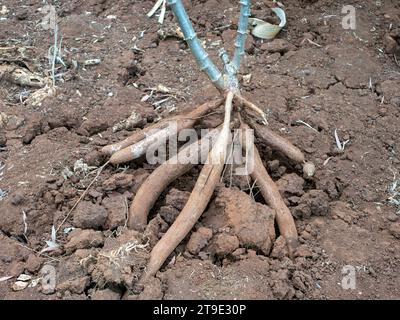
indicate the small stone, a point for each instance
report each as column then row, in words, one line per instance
column 33, row 263
column 280, row 249
column 308, row 170
column 24, row 277
column 199, row 240
column 306, row 235
column 303, row 251
column 106, row 294
column 89, row 216
column 394, row 230
column 224, row 244
column 318, row 222
column 84, row 239
column 20, row 285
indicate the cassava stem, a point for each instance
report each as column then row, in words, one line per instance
column 161, row 177
column 241, row 33
column 198, row 200
column 195, row 46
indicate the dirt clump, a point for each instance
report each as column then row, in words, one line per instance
column 394, row 230
column 291, row 185
column 121, row 260
column 116, row 205
column 314, row 202
column 175, row 200
column 83, row 239
column 89, row 216
column 224, row 244
column 313, row 79
column 119, row 180
column 198, row 240
column 106, row 294
column 251, row 222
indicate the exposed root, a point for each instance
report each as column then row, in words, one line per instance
column 137, row 144
column 277, row 142
column 161, row 177
column 82, row 195
column 270, row 192
column 134, row 138
column 139, row 149
column 198, row 200
column 250, row 105
column 114, row 256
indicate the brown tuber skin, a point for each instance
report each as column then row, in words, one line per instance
column 136, row 145
column 161, row 177
column 198, row 200
column 278, row 143
column 270, row 192
column 273, row 198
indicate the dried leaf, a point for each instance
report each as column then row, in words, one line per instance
column 265, row 30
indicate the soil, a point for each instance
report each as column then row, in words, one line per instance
column 314, row 71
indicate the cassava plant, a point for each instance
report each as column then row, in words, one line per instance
column 228, row 85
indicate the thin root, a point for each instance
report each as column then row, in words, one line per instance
column 246, row 103
column 82, row 195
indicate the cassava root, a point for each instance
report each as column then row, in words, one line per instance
column 273, row 198
column 137, row 144
column 208, row 179
column 277, row 142
column 163, row 175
